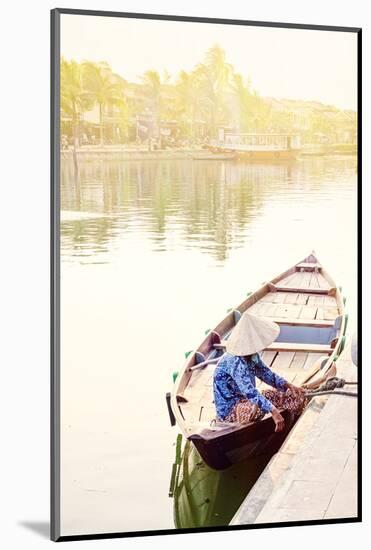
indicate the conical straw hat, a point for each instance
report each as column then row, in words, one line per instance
column 251, row 335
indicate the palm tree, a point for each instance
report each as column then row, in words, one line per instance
column 73, row 97
column 215, row 78
column 123, row 118
column 152, row 86
column 188, row 99
column 104, row 88
column 218, row 68
column 262, row 113
column 244, row 100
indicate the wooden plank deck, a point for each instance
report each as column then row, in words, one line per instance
column 311, row 359
column 330, row 301
column 291, row 311
column 314, row 283
column 268, row 357
column 291, row 298
column 305, row 280
column 316, row 300
column 299, row 360
column 283, row 361
column 323, row 283
column 288, row 279
column 302, row 298
column 279, row 297
column 267, row 309
column 308, row 312
column 329, row 313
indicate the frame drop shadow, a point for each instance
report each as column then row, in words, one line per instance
column 42, row 528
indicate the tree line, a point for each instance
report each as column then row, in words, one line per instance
column 212, row 94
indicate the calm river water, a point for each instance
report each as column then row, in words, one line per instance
column 153, row 253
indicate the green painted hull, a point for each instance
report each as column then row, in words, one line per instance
column 204, row 497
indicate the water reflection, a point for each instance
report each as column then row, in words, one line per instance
column 207, row 204
column 142, row 244
column 208, row 498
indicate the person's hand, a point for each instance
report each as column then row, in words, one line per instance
column 296, row 391
column 278, row 420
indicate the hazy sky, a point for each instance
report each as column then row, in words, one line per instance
column 283, row 63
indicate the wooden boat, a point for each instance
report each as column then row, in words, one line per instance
column 259, row 147
column 305, row 302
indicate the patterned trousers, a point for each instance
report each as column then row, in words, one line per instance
column 245, row 411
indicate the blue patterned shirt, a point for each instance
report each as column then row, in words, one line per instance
column 234, row 379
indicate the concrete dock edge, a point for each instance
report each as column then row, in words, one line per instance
column 314, row 474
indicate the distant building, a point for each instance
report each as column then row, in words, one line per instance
column 314, row 121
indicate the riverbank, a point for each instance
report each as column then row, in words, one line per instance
column 119, row 152
column 112, row 152
column 314, row 474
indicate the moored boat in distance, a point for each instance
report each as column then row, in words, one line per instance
column 258, row 146
column 309, row 308
column 215, row 156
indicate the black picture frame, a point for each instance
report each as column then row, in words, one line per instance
column 55, row 270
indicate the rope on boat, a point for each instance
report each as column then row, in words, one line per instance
column 330, row 387
column 332, row 392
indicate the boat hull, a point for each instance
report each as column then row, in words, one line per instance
column 268, row 155
column 215, row 156
column 258, row 155
column 252, row 441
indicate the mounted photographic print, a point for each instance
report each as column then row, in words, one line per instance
column 205, row 274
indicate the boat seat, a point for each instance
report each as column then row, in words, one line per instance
column 310, row 348
column 309, row 265
column 289, row 346
column 318, row 323
column 308, row 290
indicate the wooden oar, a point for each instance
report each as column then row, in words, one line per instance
column 316, row 383
column 315, row 368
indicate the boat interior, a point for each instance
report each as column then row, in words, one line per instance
column 309, row 310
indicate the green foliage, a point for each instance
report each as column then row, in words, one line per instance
column 104, row 88
column 74, row 97
column 210, row 96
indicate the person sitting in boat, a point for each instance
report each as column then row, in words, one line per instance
column 235, row 394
